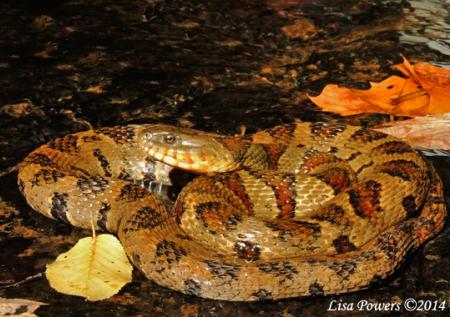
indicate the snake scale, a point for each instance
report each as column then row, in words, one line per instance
column 297, row 210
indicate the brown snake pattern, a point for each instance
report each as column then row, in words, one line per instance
column 300, row 209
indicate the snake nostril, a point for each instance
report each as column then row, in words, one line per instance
column 148, row 136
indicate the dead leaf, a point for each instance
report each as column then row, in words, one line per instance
column 7, row 210
column 95, row 89
column 42, row 54
column 95, row 268
column 283, row 4
column 302, row 29
column 18, row 307
column 256, row 80
column 189, row 310
column 425, row 90
column 21, row 109
column 118, row 101
column 42, row 22
column 286, row 313
column 430, row 132
column 434, row 80
column 230, row 43
column 187, row 25
column 185, row 123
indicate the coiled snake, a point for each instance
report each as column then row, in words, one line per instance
column 300, row 209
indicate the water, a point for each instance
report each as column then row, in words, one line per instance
column 201, row 64
column 429, row 25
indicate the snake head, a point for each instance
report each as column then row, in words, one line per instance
column 188, row 149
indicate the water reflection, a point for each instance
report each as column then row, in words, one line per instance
column 430, row 21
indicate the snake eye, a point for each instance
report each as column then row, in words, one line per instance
column 169, row 139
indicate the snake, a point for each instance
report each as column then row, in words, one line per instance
column 301, row 209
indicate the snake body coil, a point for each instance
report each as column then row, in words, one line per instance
column 300, row 209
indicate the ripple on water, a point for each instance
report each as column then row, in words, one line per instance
column 430, row 25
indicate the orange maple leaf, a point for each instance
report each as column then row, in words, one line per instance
column 425, row 90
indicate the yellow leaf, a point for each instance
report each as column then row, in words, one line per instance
column 95, row 268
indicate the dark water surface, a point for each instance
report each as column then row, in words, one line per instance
column 214, row 65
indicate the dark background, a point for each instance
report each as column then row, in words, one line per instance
column 214, row 65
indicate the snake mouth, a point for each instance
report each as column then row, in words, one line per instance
column 165, row 181
column 188, row 159
column 169, row 192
